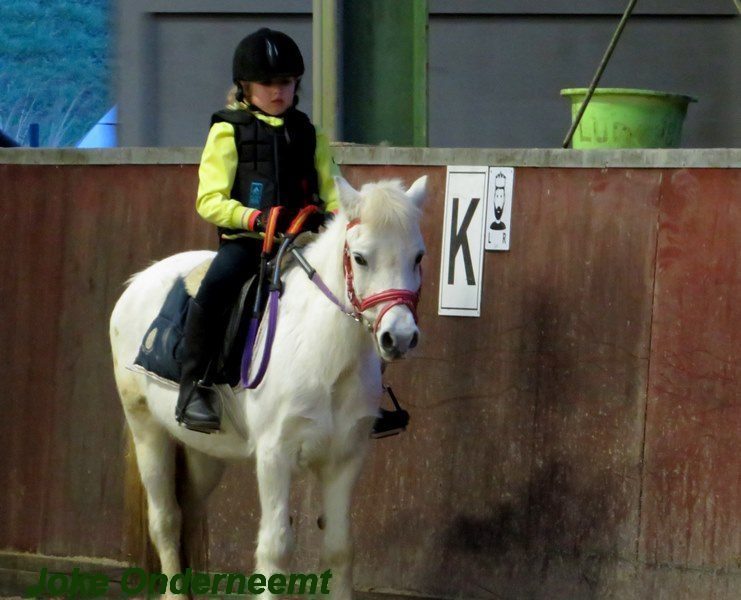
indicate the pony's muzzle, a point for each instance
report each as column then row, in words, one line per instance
column 398, row 336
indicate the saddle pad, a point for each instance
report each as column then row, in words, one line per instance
column 160, row 354
column 161, row 349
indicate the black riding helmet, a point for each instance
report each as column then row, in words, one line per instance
column 266, row 54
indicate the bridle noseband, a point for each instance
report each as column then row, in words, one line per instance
column 389, row 298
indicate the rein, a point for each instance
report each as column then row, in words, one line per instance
column 391, row 298
column 273, row 296
column 388, row 298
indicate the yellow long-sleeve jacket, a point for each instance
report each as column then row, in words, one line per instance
column 218, row 168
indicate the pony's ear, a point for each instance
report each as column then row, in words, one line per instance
column 417, row 192
column 349, row 198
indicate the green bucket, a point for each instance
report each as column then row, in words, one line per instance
column 625, row 118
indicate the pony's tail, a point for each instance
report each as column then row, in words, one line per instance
column 138, row 547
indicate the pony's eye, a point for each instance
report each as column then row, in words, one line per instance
column 360, row 259
column 419, row 258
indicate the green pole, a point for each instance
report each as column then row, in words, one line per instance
column 384, row 72
column 325, row 60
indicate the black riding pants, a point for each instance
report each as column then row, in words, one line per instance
column 235, row 262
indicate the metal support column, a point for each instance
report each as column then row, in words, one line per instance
column 384, row 72
column 326, row 57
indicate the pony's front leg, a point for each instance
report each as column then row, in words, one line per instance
column 275, row 539
column 337, row 482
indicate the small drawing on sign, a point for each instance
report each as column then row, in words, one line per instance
column 499, row 207
column 499, row 200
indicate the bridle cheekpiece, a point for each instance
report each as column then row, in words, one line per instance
column 389, row 298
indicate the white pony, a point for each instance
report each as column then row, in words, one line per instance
column 321, row 392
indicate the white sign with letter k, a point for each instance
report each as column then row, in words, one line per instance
column 462, row 257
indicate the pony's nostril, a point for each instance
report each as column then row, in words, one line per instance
column 415, row 339
column 387, row 341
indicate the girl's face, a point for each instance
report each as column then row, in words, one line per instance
column 272, row 97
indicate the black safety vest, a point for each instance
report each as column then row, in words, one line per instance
column 275, row 164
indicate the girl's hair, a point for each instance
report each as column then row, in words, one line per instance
column 231, row 96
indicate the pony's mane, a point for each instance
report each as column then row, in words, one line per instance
column 386, row 205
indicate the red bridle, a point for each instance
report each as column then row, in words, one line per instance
column 389, row 298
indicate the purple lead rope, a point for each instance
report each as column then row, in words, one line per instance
column 273, row 298
column 250, row 345
column 272, row 320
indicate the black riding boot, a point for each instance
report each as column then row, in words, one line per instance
column 195, row 408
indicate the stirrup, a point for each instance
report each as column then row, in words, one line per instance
column 391, row 422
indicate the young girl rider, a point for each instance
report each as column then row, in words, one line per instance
column 261, row 152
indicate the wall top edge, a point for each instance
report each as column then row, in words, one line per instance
column 720, row 158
